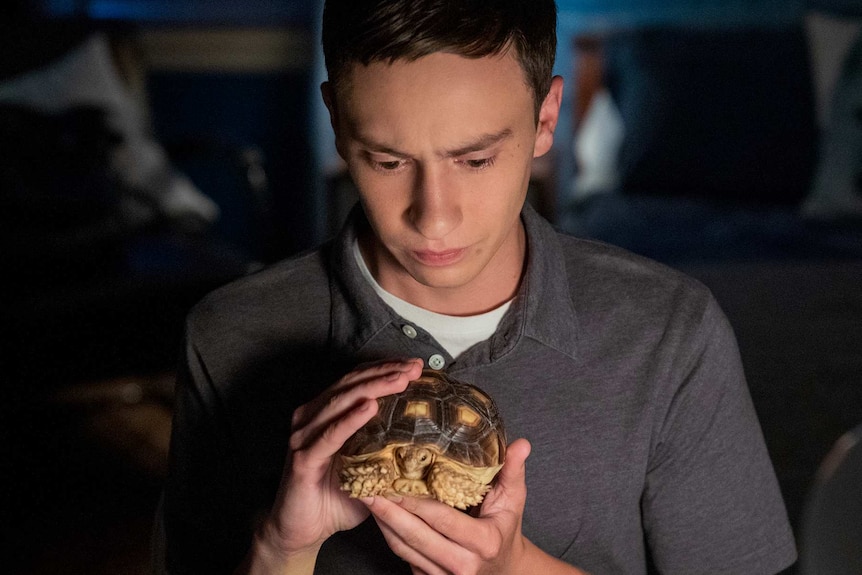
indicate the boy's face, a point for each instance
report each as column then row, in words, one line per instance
column 440, row 150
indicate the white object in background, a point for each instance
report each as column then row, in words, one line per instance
column 87, row 77
column 596, row 148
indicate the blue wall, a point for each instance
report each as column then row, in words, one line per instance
column 220, row 115
column 245, row 12
column 596, row 14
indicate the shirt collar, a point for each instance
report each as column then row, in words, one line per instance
column 542, row 310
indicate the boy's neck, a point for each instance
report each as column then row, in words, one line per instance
column 488, row 291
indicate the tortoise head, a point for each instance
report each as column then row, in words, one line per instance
column 413, row 460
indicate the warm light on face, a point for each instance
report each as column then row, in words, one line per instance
column 441, row 149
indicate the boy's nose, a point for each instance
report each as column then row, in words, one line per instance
column 435, row 210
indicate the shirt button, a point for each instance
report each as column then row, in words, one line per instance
column 409, row 331
column 436, row 361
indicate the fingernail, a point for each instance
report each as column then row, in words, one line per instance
column 394, row 498
column 367, row 500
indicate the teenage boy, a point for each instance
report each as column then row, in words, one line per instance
column 622, row 374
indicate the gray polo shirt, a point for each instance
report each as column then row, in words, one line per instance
column 622, row 373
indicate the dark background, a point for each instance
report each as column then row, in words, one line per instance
column 723, row 147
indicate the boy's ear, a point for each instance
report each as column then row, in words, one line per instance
column 549, row 115
column 329, row 100
column 328, row 93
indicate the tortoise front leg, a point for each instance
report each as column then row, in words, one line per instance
column 368, row 478
column 453, row 486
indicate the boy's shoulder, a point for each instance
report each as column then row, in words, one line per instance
column 293, row 287
column 613, row 262
column 607, row 276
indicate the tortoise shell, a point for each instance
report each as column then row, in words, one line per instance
column 459, row 420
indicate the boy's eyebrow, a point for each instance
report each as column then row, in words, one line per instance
column 378, row 148
column 481, row 143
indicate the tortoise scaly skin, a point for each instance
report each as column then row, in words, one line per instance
column 439, row 438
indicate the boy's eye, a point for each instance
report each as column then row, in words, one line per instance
column 479, row 164
column 389, row 165
column 384, row 164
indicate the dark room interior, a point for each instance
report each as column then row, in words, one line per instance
column 152, row 151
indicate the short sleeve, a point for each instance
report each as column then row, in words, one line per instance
column 711, row 502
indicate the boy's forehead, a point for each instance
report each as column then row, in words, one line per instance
column 394, row 78
column 442, row 100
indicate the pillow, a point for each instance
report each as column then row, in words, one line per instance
column 725, row 115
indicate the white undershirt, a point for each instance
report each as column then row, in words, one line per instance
column 454, row 333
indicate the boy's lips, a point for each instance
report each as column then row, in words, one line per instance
column 439, row 258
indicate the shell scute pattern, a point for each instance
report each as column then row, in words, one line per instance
column 439, row 438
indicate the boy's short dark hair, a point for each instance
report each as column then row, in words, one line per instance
column 366, row 31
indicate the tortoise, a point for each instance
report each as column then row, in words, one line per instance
column 440, row 438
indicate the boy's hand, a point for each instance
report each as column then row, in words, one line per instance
column 309, row 506
column 437, row 539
